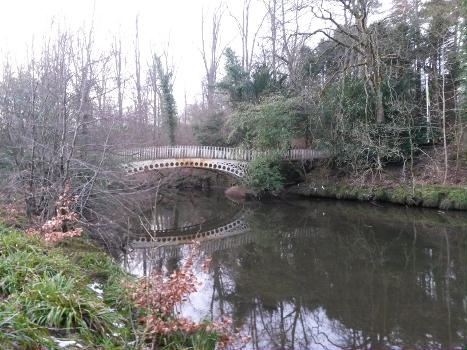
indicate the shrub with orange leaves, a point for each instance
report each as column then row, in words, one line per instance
column 12, row 214
column 62, row 224
column 158, row 297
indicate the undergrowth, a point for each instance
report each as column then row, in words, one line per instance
column 45, row 294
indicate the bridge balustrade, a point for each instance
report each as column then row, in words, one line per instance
column 211, row 152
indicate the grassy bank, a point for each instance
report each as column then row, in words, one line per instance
column 428, row 196
column 59, row 295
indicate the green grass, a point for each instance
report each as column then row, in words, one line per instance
column 200, row 340
column 44, row 293
column 24, row 257
column 59, row 302
column 455, row 198
column 18, row 332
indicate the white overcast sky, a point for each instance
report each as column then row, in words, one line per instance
column 160, row 22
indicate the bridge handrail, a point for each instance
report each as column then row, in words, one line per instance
column 210, row 152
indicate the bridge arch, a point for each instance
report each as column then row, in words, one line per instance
column 231, row 167
column 187, row 234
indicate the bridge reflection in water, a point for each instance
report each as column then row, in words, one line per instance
column 213, row 236
column 327, row 275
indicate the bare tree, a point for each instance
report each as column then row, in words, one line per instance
column 82, row 84
column 140, row 109
column 49, row 126
column 101, row 86
column 117, row 55
column 211, row 54
column 155, row 93
column 271, row 6
column 243, row 25
column 292, row 40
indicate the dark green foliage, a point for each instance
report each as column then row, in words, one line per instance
column 16, row 268
column 270, row 125
column 455, row 199
column 344, row 123
column 236, row 81
column 209, row 131
column 22, row 257
column 101, row 268
column 261, row 80
column 243, row 86
column 169, row 109
column 264, row 173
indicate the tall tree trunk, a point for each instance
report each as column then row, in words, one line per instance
column 443, row 114
column 272, row 14
column 140, row 113
column 379, row 105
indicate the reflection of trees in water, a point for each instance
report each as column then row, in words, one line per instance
column 380, row 288
column 351, row 280
column 190, row 208
column 292, row 326
column 142, row 261
column 188, row 211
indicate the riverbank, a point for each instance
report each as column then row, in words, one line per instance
column 63, row 295
column 423, row 195
column 432, row 187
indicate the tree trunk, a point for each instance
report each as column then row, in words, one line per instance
column 443, row 113
column 379, row 105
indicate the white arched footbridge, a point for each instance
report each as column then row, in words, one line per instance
column 233, row 161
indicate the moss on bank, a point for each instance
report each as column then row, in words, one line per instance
column 428, row 196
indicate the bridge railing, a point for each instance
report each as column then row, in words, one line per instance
column 177, row 152
column 209, row 152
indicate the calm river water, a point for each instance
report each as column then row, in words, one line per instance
column 316, row 274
